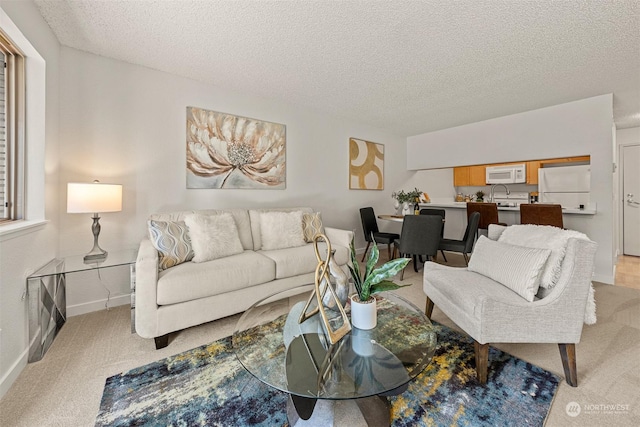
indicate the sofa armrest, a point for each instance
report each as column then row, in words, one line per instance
column 146, row 290
column 338, row 237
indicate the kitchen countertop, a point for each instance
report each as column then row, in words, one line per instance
column 463, row 205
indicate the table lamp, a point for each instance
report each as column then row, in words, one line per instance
column 93, row 198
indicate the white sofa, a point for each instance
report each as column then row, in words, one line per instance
column 193, row 293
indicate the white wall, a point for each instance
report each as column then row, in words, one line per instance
column 576, row 128
column 22, row 253
column 126, row 124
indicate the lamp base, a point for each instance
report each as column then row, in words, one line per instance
column 95, row 257
column 96, row 254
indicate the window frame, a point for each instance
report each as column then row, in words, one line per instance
column 14, row 97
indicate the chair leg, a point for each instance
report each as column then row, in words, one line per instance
column 482, row 361
column 443, row 256
column 428, row 309
column 415, row 263
column 568, row 355
column 466, row 259
column 389, row 249
column 364, row 255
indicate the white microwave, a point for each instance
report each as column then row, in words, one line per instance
column 511, row 174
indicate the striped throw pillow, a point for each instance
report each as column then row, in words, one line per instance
column 517, row 267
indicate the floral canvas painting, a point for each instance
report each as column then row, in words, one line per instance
column 366, row 165
column 228, row 151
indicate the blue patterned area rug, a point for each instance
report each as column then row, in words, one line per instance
column 207, row 386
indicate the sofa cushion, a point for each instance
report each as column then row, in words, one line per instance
column 171, row 240
column 241, row 217
column 311, row 226
column 543, row 237
column 465, row 290
column 213, row 236
column 294, row 261
column 254, row 216
column 190, row 281
column 516, row 267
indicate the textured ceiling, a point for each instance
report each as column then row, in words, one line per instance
column 408, row 67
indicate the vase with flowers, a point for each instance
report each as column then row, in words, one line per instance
column 406, row 199
column 370, row 282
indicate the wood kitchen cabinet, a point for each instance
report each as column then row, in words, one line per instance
column 461, row 176
column 532, row 171
column 467, row 176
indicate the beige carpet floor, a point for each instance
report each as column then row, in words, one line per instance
column 65, row 387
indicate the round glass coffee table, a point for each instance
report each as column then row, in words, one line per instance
column 359, row 371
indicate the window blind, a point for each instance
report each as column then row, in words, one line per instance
column 4, row 155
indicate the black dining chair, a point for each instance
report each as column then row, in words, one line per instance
column 464, row 246
column 420, row 236
column 442, row 213
column 371, row 232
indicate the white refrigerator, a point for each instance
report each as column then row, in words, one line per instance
column 568, row 186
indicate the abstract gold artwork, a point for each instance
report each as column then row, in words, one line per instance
column 228, row 151
column 366, row 165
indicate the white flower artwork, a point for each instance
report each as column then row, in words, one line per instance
column 228, row 151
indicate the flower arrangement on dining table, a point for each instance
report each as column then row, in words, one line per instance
column 407, row 196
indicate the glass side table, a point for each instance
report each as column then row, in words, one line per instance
column 46, row 289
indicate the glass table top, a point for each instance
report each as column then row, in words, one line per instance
column 298, row 358
column 76, row 263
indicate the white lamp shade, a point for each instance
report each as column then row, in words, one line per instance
column 93, row 197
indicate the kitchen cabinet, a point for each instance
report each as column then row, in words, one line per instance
column 468, row 176
column 532, row 171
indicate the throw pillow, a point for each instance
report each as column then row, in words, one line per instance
column 171, row 240
column 311, row 225
column 213, row 236
column 279, row 230
column 516, row 267
column 543, row 237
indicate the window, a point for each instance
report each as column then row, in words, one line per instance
column 11, row 131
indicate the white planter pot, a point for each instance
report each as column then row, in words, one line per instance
column 363, row 315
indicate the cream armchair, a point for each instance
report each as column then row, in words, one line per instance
column 492, row 313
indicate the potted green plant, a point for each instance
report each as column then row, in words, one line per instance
column 480, row 196
column 374, row 280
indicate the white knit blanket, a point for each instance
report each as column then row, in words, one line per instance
column 555, row 239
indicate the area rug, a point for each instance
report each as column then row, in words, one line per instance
column 207, row 386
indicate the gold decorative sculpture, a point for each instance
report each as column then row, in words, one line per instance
column 322, row 273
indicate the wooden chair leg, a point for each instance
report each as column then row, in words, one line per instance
column 415, row 263
column 466, row 258
column 364, row 255
column 443, row 256
column 568, row 355
column 482, row 361
column 428, row 309
column 389, row 249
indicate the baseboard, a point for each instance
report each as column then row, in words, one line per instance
column 14, row 371
column 89, row 307
column 602, row 278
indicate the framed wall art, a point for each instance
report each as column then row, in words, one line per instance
column 228, row 151
column 366, row 165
